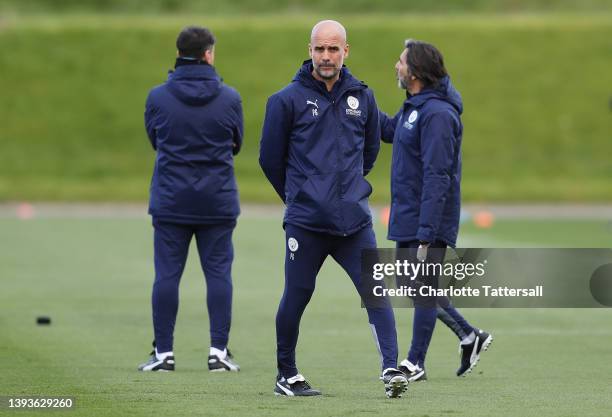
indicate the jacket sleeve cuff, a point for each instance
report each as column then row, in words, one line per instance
column 425, row 234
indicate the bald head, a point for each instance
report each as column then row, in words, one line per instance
column 327, row 29
column 328, row 48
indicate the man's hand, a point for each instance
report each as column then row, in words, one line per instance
column 422, row 251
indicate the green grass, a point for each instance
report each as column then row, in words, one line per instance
column 93, row 277
column 537, row 119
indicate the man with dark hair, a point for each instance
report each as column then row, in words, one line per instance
column 320, row 138
column 194, row 122
column 194, row 41
column 425, row 192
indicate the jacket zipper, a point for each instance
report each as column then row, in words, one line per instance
column 337, row 135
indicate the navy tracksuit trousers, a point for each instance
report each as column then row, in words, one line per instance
column 427, row 309
column 305, row 253
column 171, row 245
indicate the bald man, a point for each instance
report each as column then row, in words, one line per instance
column 320, row 139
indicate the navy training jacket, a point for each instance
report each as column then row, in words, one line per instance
column 317, row 146
column 194, row 122
column 426, row 165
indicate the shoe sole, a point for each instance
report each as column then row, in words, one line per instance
column 396, row 387
column 153, row 368
column 485, row 346
column 289, row 393
column 156, row 370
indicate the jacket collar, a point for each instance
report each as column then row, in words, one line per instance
column 193, row 69
column 420, row 98
column 345, row 83
column 183, row 61
column 443, row 91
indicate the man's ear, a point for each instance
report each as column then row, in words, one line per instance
column 310, row 50
column 346, row 51
column 209, row 56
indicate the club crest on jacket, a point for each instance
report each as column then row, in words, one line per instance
column 353, row 103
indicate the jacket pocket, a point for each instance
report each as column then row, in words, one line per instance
column 365, row 188
column 355, row 206
column 318, row 190
column 405, row 208
column 317, row 199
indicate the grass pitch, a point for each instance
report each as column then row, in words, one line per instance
column 93, row 277
column 73, row 92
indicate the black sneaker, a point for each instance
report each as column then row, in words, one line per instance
column 395, row 382
column 219, row 364
column 295, row 386
column 155, row 364
column 414, row 373
column 470, row 354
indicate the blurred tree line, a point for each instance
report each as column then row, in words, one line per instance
column 275, row 6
